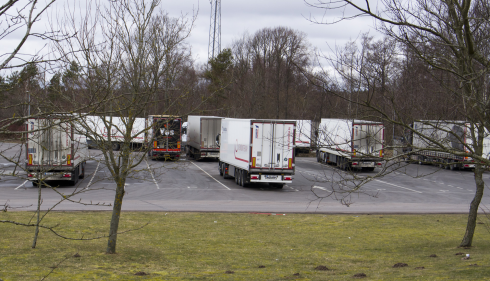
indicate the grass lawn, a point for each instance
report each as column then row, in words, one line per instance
column 223, row 246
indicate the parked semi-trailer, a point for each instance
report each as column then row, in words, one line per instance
column 306, row 134
column 54, row 150
column 438, row 142
column 351, row 143
column 257, row 151
column 97, row 130
column 202, row 132
column 164, row 136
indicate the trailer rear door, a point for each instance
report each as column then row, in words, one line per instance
column 210, row 128
column 272, row 145
column 49, row 142
column 368, row 139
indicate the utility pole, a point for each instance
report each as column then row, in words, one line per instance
column 214, row 46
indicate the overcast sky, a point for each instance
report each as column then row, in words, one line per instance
column 238, row 17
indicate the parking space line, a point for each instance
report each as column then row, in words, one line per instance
column 23, row 184
column 211, row 176
column 90, row 182
column 322, row 188
column 398, row 186
column 149, row 170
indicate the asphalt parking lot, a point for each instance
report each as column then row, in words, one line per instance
column 188, row 185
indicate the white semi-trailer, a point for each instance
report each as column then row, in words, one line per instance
column 439, row 142
column 351, row 143
column 305, row 138
column 97, row 129
column 202, row 132
column 54, row 150
column 257, row 151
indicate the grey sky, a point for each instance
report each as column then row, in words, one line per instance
column 237, row 17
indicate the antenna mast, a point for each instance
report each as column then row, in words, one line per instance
column 214, row 29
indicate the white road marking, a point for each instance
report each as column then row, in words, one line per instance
column 399, row 186
column 322, row 188
column 23, row 184
column 149, row 170
column 291, row 187
column 211, row 176
column 90, row 182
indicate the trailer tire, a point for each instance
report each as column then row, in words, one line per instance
column 220, row 170
column 115, row 146
column 237, row 178
column 243, row 178
column 318, row 157
column 453, row 167
column 83, row 171
column 75, row 178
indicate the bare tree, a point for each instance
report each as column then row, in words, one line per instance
column 125, row 76
column 451, row 39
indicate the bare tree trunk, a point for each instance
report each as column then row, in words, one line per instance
column 116, row 214
column 36, row 232
column 472, row 216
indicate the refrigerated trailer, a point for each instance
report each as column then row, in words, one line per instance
column 164, row 136
column 306, row 134
column 54, row 150
column 97, row 130
column 257, row 151
column 438, row 142
column 351, row 143
column 202, row 133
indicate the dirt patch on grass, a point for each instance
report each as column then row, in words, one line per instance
column 229, row 272
column 77, row 255
column 321, row 267
column 261, row 266
column 141, row 273
column 433, row 256
column 400, row 264
column 360, row 275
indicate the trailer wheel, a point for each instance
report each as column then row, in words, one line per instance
column 75, row 178
column 115, row 146
column 318, row 156
column 243, row 178
column 237, row 177
column 219, row 168
column 453, row 167
column 83, row 171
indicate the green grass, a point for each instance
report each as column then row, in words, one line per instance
column 203, row 246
